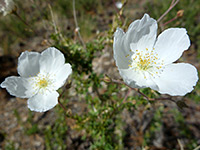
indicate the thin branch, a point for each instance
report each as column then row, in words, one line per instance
column 61, row 105
column 168, row 10
column 68, row 112
column 119, row 10
column 76, row 24
column 197, row 148
column 116, row 9
column 152, row 99
column 63, row 91
column 137, row 90
column 117, row 81
column 172, row 2
column 127, row 94
column 23, row 21
column 53, row 21
column 56, row 29
column 180, row 144
column 145, row 96
column 170, row 21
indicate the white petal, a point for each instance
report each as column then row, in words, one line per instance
column 19, row 86
column 177, row 79
column 9, row 6
column 141, row 32
column 119, row 50
column 62, row 75
column 51, row 60
column 119, row 5
column 43, row 102
column 28, row 64
column 137, row 79
column 171, row 43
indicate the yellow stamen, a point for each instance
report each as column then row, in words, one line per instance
column 127, row 55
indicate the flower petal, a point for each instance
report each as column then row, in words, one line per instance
column 62, row 75
column 42, row 102
column 177, row 79
column 51, row 60
column 28, row 64
column 171, row 43
column 9, row 7
column 19, row 86
column 119, row 50
column 137, row 79
column 143, row 32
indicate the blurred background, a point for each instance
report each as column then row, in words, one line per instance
column 161, row 125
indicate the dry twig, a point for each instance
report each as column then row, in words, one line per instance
column 76, row 24
column 180, row 144
column 173, row 4
column 197, row 148
column 145, row 96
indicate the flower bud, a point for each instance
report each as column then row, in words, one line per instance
column 107, row 79
column 180, row 13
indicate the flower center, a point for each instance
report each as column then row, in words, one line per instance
column 146, row 61
column 43, row 83
column 143, row 64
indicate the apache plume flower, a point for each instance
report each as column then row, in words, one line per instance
column 7, row 6
column 40, row 76
column 144, row 61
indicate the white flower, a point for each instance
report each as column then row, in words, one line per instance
column 144, row 61
column 119, row 5
column 40, row 76
column 6, row 6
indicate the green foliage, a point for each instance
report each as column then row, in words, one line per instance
column 102, row 120
column 185, row 131
column 55, row 135
column 10, row 146
column 154, row 127
column 29, row 127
